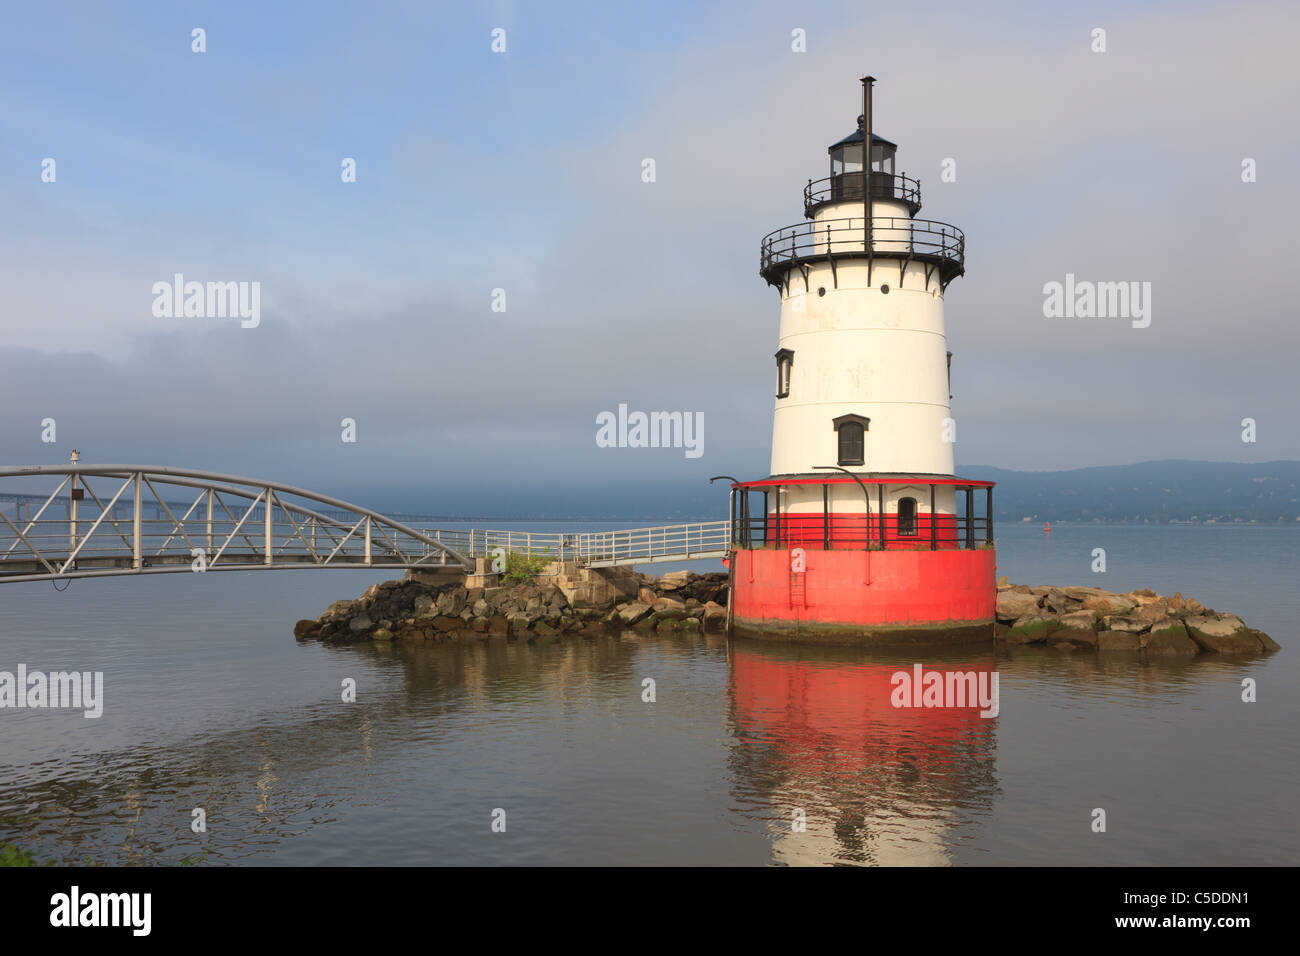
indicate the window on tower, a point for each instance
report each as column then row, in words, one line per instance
column 852, row 432
column 784, row 359
column 907, row 516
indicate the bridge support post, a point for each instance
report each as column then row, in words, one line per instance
column 136, row 549
column 367, row 540
column 209, row 496
column 266, row 503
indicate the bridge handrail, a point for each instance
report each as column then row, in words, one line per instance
column 205, row 479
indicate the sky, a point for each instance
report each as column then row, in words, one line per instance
column 522, row 171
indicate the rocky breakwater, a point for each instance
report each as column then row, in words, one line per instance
column 573, row 602
column 1079, row 618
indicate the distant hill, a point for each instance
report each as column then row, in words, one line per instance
column 1151, row 491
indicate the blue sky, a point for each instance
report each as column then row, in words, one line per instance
column 520, row 171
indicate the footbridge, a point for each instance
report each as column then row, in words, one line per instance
column 81, row 520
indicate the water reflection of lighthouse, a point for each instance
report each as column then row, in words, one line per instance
column 876, row 784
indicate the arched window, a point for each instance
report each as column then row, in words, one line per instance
column 784, row 359
column 852, row 431
column 906, row 516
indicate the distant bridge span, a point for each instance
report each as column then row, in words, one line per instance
column 81, row 520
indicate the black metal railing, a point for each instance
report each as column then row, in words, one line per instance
column 848, row 186
column 922, row 531
column 891, row 236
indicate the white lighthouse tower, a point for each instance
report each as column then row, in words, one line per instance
column 863, row 433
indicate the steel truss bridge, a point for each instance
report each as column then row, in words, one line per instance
column 82, row 520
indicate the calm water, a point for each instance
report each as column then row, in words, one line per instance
column 211, row 703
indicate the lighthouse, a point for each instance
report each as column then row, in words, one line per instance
column 862, row 532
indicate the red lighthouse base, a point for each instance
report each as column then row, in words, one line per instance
column 865, row 597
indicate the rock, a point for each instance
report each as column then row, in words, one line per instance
column 1058, row 602
column 674, row 580
column 304, row 628
column 715, row 615
column 632, row 613
column 1077, row 627
column 496, row 596
column 384, row 634
column 1108, row 603
column 1152, row 611
column 1265, row 642
column 339, row 609
column 1031, row 629
column 1002, row 581
column 479, row 624
column 646, row 596
column 452, row 602
column 1226, row 635
column 1118, row 641
column 481, row 608
column 1170, row 639
column 1013, row 605
column 542, row 629
column 1080, row 620
column 362, row 622
column 424, row 606
column 1130, row 625
column 667, row 607
column 1082, row 593
column 1144, row 596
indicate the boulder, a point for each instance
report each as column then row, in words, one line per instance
column 1003, row 582
column 1076, row 628
column 1118, row 641
column 1265, row 642
column 362, row 621
column 667, row 607
column 1031, row 629
column 1108, row 603
column 452, row 602
column 1082, row 593
column 1013, row 605
column 715, row 615
column 1170, row 639
column 674, row 580
column 424, row 606
column 1144, row 596
column 1129, row 624
column 1226, row 635
column 646, row 596
column 632, row 613
column 383, row 633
